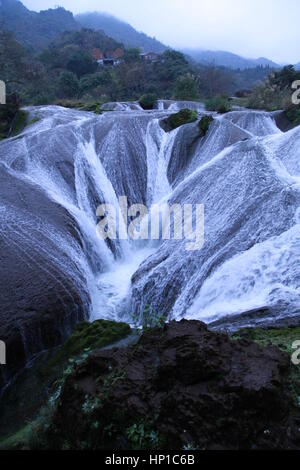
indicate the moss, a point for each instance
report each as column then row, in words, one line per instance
column 90, row 336
column 17, row 441
column 204, row 124
column 20, row 123
column 94, row 107
column 282, row 338
column 185, row 116
column 46, row 377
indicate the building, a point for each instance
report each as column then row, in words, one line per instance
column 150, row 57
column 97, row 54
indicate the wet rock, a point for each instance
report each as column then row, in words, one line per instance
column 180, row 386
column 43, row 292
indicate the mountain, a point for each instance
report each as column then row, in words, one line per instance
column 35, row 30
column 297, row 66
column 228, row 59
column 120, row 31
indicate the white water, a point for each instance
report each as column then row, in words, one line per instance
column 245, row 171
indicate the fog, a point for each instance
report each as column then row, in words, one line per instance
column 252, row 28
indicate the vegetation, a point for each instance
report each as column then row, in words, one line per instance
column 148, row 101
column 90, row 336
column 219, row 104
column 276, row 94
column 185, row 116
column 48, row 376
column 186, row 88
column 204, row 124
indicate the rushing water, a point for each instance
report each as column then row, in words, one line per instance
column 245, row 171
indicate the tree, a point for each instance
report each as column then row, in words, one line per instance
column 78, row 61
column 131, row 56
column 215, row 81
column 186, row 88
column 68, row 85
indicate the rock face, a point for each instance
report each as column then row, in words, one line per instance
column 43, row 293
column 180, row 386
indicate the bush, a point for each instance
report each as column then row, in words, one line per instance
column 148, row 101
column 185, row 116
column 204, row 124
column 219, row 104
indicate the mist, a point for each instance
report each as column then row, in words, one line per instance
column 250, row 28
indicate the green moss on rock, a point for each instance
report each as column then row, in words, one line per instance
column 204, row 124
column 185, row 116
column 93, row 107
column 90, row 336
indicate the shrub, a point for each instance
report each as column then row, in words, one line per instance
column 148, row 101
column 185, row 116
column 204, row 124
column 219, row 104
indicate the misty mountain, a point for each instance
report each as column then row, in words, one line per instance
column 35, row 30
column 297, row 66
column 228, row 59
column 120, row 31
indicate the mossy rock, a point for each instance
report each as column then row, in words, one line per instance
column 204, row 124
column 93, row 107
column 283, row 339
column 90, row 336
column 185, row 116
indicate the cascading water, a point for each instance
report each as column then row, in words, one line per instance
column 244, row 171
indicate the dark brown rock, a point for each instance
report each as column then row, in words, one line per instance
column 184, row 385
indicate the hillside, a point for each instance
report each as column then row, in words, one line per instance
column 228, row 59
column 120, row 31
column 35, row 30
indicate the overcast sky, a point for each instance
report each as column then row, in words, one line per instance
column 252, row 28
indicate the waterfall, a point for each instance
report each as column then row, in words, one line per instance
column 245, row 171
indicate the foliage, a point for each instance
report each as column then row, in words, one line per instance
column 68, row 85
column 276, row 92
column 91, row 335
column 35, row 30
column 219, row 104
column 149, row 319
column 204, row 124
column 185, row 116
column 148, row 101
column 142, row 437
column 186, row 88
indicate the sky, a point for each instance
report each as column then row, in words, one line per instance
column 251, row 28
